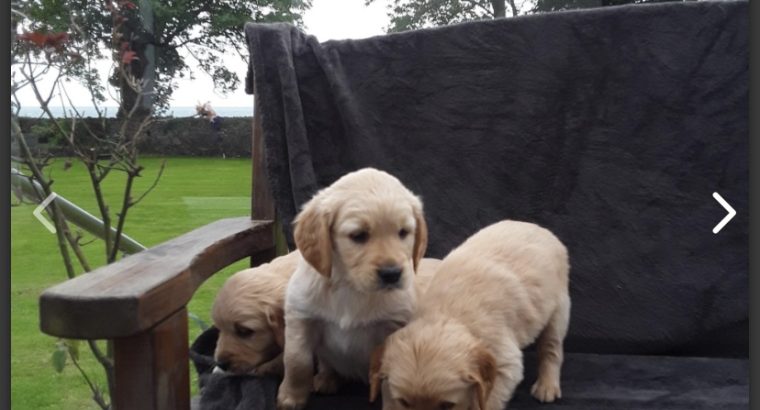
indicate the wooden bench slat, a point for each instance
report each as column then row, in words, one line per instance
column 137, row 292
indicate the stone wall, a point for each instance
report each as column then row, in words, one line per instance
column 166, row 137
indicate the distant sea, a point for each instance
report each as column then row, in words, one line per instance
column 176, row 112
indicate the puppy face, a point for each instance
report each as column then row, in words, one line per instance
column 245, row 342
column 432, row 366
column 366, row 228
column 248, row 313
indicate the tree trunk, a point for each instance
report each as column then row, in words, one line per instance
column 499, row 8
column 138, row 32
column 514, row 8
column 129, row 96
column 149, row 70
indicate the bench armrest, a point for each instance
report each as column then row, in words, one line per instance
column 136, row 293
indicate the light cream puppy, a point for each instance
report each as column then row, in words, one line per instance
column 249, row 313
column 362, row 239
column 502, row 289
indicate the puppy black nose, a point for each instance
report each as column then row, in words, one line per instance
column 224, row 365
column 389, row 274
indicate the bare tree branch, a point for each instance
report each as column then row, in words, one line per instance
column 122, row 216
column 74, row 244
column 153, row 185
column 105, row 361
column 97, row 395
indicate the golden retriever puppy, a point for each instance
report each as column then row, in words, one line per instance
column 503, row 288
column 362, row 239
column 248, row 311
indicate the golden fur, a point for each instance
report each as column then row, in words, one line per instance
column 253, row 300
column 503, row 288
column 425, row 272
column 338, row 307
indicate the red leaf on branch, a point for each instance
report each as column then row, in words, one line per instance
column 43, row 40
column 38, row 39
column 57, row 39
column 128, row 57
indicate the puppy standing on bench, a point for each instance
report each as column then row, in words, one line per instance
column 492, row 296
column 362, row 239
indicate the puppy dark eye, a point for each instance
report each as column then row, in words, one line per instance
column 403, row 233
column 360, row 237
column 243, row 332
column 404, row 403
column 446, row 405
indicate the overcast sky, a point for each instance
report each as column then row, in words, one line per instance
column 327, row 20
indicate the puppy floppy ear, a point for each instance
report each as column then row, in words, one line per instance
column 312, row 236
column 420, row 235
column 482, row 374
column 375, row 374
column 276, row 320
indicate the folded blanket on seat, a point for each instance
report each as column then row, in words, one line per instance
column 589, row 381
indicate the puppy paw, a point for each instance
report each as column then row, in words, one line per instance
column 288, row 402
column 546, row 391
column 268, row 369
column 326, row 383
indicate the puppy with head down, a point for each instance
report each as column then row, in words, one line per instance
column 248, row 311
column 362, row 240
column 502, row 289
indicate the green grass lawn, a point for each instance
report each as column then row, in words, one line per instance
column 191, row 193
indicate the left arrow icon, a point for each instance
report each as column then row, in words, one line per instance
column 38, row 212
column 727, row 218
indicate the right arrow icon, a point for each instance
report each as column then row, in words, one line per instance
column 727, row 218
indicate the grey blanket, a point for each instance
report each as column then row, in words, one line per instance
column 588, row 382
column 612, row 127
